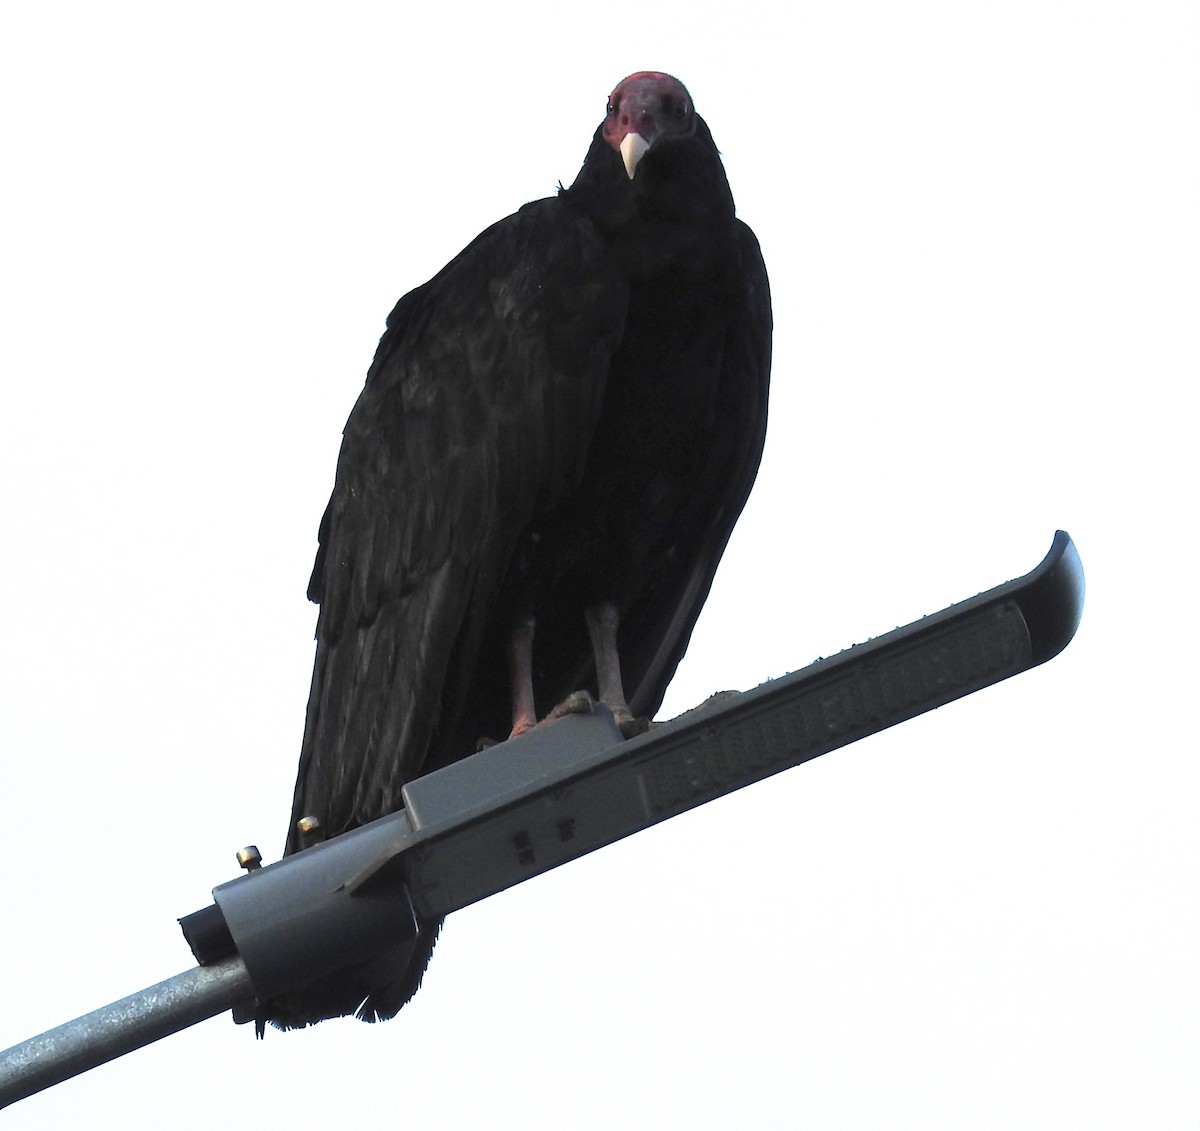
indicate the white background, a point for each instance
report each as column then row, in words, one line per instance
column 981, row 226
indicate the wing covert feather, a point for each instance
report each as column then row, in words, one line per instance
column 657, row 629
column 477, row 413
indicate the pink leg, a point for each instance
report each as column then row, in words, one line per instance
column 520, row 667
column 602, row 627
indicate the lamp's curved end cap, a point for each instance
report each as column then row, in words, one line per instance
column 1051, row 599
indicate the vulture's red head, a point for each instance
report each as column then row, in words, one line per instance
column 645, row 107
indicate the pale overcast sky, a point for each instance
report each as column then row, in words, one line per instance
column 981, row 225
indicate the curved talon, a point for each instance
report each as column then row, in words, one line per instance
column 631, row 726
column 577, row 703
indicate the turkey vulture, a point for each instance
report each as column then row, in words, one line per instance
column 556, row 436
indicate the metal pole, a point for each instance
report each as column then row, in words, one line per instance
column 121, row 1027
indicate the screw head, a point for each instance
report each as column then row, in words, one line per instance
column 249, row 858
column 310, row 831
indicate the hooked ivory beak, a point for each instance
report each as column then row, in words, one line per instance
column 632, row 147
